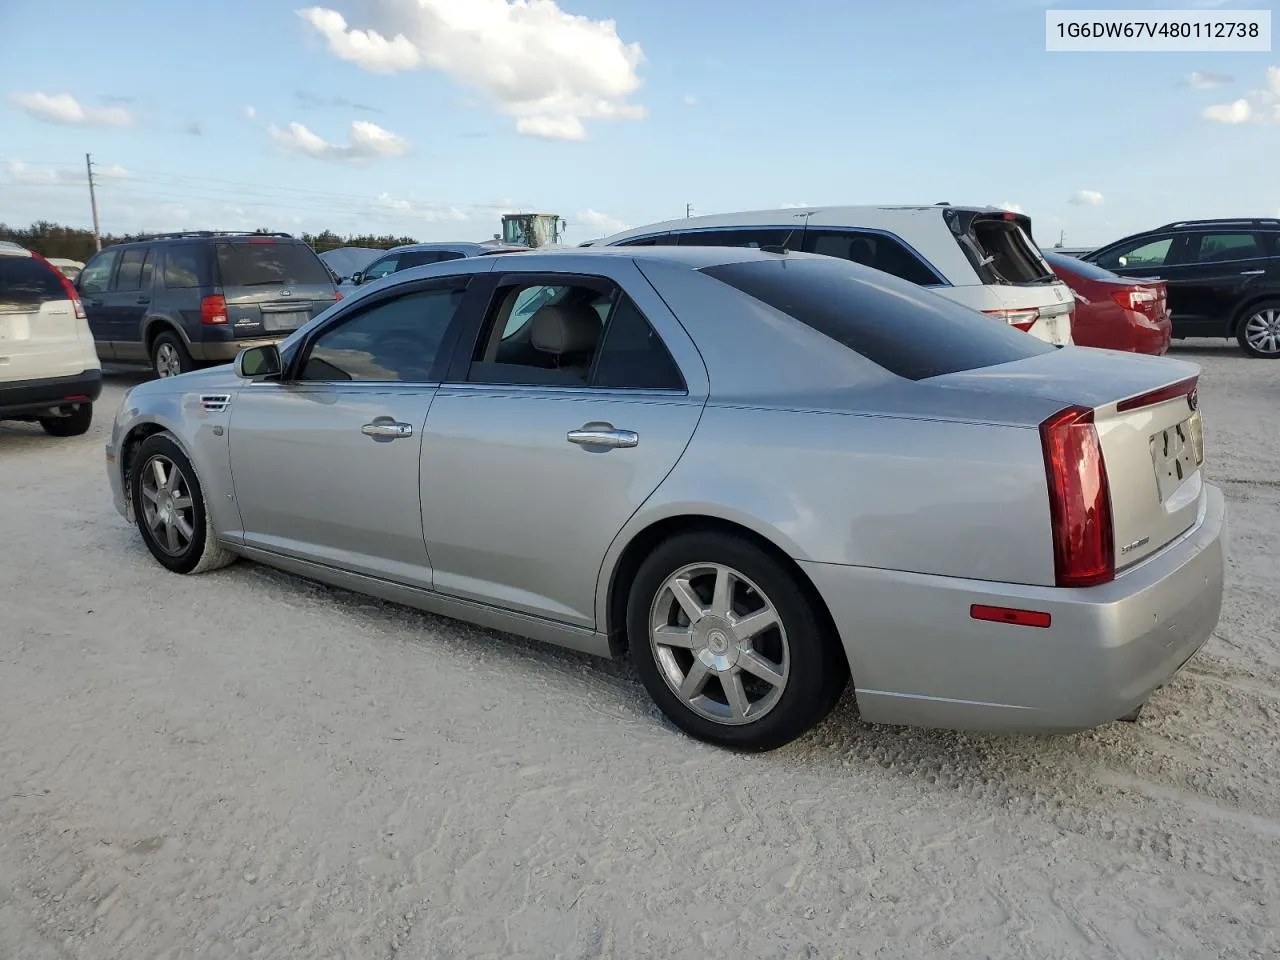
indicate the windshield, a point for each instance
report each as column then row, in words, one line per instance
column 260, row 264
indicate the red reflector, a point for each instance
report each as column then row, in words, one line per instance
column 1010, row 615
column 337, row 295
column 213, row 309
column 1079, row 500
column 1183, row 388
column 76, row 398
column 1008, row 215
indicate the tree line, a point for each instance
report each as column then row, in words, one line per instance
column 74, row 243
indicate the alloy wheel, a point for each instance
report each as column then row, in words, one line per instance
column 168, row 363
column 1262, row 331
column 168, row 508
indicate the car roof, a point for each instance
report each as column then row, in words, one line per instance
column 474, row 245
column 696, row 258
column 10, row 249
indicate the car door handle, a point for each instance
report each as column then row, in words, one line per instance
column 1252, row 273
column 144, row 300
column 95, row 303
column 602, row 435
column 387, row 429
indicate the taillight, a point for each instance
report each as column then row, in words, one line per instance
column 213, row 309
column 70, row 288
column 1142, row 300
column 1022, row 319
column 1079, row 500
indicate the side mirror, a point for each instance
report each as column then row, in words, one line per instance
column 357, row 278
column 256, row 363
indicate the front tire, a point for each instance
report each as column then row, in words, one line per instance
column 729, row 645
column 1259, row 330
column 171, row 511
column 169, row 356
column 74, row 425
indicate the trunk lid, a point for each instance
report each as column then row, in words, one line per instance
column 1149, row 427
column 272, row 286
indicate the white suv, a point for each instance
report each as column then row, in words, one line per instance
column 49, row 369
column 981, row 257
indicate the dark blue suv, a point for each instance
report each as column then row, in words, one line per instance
column 180, row 300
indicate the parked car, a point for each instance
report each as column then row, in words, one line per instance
column 179, row 300
column 980, row 257
column 68, row 268
column 1068, row 251
column 1223, row 277
column 757, row 472
column 1114, row 312
column 421, row 254
column 49, row 371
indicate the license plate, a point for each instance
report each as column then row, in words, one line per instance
column 284, row 321
column 1176, row 453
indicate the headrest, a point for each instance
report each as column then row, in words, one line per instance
column 565, row 330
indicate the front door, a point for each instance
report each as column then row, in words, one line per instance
column 326, row 460
column 564, row 420
column 1214, row 276
column 93, row 284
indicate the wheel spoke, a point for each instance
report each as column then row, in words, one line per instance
column 754, row 624
column 159, row 473
column 182, row 503
column 758, row 666
column 688, row 600
column 149, row 493
column 722, row 597
column 671, row 636
column 171, row 535
column 694, row 680
column 184, row 528
column 735, row 694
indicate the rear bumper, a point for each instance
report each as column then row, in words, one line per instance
column 29, row 398
column 224, row 351
column 918, row 658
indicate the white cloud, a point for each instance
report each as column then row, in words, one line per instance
column 24, row 173
column 1260, row 106
column 367, row 141
column 690, row 100
column 251, row 112
column 63, row 108
column 1087, row 198
column 1204, row 80
column 418, row 210
column 1012, row 207
column 549, row 69
column 1238, row 111
column 601, row 223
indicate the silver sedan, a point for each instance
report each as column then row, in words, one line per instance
column 758, row 473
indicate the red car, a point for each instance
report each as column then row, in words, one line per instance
column 1112, row 311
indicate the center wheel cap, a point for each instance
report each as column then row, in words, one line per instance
column 714, row 644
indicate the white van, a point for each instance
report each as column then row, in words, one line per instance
column 49, row 368
column 982, row 257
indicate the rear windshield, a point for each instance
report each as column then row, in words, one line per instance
column 1009, row 252
column 27, row 281
column 263, row 264
column 895, row 324
column 1081, row 268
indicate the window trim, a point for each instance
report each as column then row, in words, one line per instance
column 448, row 341
column 469, row 337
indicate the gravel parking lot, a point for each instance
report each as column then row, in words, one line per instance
column 245, row 764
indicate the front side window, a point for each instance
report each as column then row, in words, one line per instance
column 573, row 335
column 381, row 268
column 1140, row 254
column 132, row 263
column 1223, row 247
column 393, row 340
column 96, row 274
column 871, row 250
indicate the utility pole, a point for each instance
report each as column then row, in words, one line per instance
column 93, row 202
column 688, row 210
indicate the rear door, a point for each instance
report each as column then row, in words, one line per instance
column 38, row 324
column 272, row 285
column 540, row 448
column 1216, row 273
column 129, row 298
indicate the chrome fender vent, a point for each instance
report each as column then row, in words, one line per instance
column 215, row 402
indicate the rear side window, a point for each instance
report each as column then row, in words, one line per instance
column 872, row 250
column 253, row 264
column 185, row 266
column 1009, row 252
column 133, row 262
column 1223, row 247
column 741, row 237
column 28, row 282
column 908, row 331
column 417, row 259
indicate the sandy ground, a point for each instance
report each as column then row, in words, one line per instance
column 246, row 765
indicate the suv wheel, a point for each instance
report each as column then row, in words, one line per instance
column 728, row 644
column 1259, row 330
column 169, row 356
column 72, row 425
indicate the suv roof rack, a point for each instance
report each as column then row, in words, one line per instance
column 186, row 234
column 1248, row 221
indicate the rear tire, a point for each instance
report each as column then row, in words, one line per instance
column 169, row 356
column 1258, row 332
column 70, row 426
column 711, row 671
column 171, row 511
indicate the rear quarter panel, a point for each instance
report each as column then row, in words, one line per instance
column 928, row 496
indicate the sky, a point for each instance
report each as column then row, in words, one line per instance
column 431, row 118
